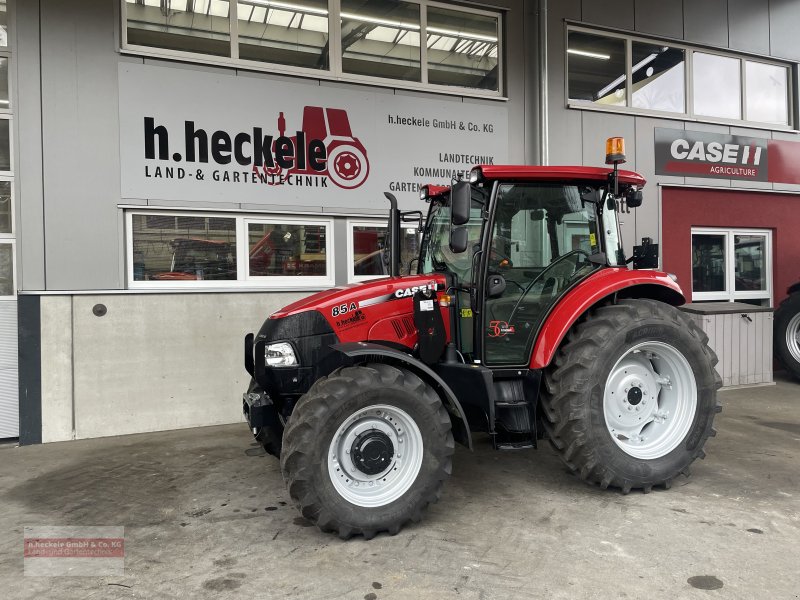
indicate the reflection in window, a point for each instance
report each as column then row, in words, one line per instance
column 717, row 86
column 708, row 263
column 6, row 270
column 187, row 25
column 4, row 96
column 284, row 33
column 5, row 207
column 462, row 49
column 169, row 248
column 381, row 38
column 3, row 24
column 766, row 93
column 749, row 253
column 370, row 250
column 5, row 145
column 287, row 250
column 596, row 69
column 658, row 77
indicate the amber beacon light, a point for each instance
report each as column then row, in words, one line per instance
column 615, row 150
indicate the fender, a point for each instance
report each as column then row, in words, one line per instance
column 627, row 283
column 793, row 288
column 365, row 350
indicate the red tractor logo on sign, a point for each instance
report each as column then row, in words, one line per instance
column 347, row 163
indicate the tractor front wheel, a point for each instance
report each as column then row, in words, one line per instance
column 366, row 450
column 631, row 396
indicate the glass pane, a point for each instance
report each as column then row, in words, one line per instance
column 717, row 86
column 381, row 38
column 370, row 243
column 6, row 270
column 462, row 49
column 3, row 23
column 188, row 25
column 284, row 33
column 4, row 97
column 767, row 97
column 166, row 248
column 6, row 226
column 596, row 69
column 287, row 250
column 541, row 243
column 658, row 77
column 5, row 145
column 749, row 255
column 708, row 263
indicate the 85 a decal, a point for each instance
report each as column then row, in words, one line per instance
column 343, row 309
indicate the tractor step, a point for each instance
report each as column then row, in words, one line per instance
column 508, row 440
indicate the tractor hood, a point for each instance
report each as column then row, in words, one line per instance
column 379, row 309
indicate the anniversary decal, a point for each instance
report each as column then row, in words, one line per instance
column 189, row 135
column 712, row 155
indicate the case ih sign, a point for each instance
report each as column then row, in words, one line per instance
column 698, row 154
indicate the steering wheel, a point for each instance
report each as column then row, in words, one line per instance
column 540, row 276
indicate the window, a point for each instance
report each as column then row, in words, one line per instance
column 619, row 72
column 5, row 144
column 6, row 219
column 378, row 41
column 717, row 86
column 289, row 250
column 169, row 250
column 732, row 265
column 7, row 287
column 367, row 250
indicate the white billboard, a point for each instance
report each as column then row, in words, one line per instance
column 189, row 135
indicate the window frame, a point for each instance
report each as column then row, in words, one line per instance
column 689, row 50
column 730, row 294
column 334, row 72
column 243, row 279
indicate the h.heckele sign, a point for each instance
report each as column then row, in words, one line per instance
column 194, row 136
column 700, row 154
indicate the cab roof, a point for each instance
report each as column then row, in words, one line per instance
column 557, row 173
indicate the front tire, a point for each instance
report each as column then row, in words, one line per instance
column 366, row 450
column 630, row 398
column 787, row 334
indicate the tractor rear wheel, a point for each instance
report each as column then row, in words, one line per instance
column 787, row 334
column 366, row 450
column 630, row 398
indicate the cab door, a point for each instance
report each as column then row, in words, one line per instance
column 541, row 238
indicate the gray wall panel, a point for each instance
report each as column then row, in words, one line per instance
column 564, row 125
column 706, row 21
column 659, row 17
column 612, row 13
column 81, row 160
column 749, row 25
column 28, row 148
column 784, row 25
column 597, row 128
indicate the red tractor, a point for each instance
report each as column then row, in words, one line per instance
column 523, row 322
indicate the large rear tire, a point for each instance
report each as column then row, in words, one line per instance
column 630, row 398
column 366, row 450
column 787, row 334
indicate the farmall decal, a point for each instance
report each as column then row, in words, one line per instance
column 696, row 154
column 323, row 150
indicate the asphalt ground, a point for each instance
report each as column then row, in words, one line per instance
column 206, row 515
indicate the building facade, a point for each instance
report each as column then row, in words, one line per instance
column 176, row 170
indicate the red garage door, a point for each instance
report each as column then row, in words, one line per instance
column 688, row 209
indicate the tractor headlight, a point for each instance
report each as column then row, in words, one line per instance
column 280, row 355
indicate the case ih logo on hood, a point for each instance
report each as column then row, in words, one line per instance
column 324, row 148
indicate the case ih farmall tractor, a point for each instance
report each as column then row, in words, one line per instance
column 523, row 321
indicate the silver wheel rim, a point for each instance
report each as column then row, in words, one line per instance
column 793, row 337
column 402, row 467
column 651, row 422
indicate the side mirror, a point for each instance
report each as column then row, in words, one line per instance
column 458, row 240
column 460, row 203
column 633, row 198
column 495, row 286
